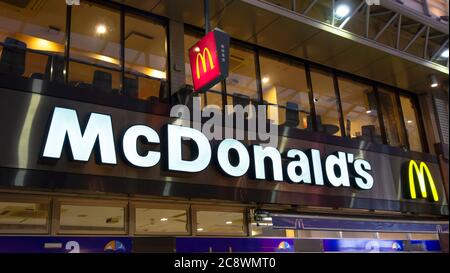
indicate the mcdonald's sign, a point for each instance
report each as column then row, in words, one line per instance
column 209, row 60
column 417, row 177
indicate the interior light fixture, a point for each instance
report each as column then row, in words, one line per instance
column 409, row 121
column 100, row 29
column 228, row 222
column 433, row 81
column 265, row 80
column 164, row 219
column 200, row 229
column 368, row 111
column 342, row 10
column 444, row 54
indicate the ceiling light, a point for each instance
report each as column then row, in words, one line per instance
column 409, row 121
column 100, row 29
column 200, row 229
column 368, row 111
column 316, row 99
column 164, row 219
column 265, row 80
column 434, row 81
column 342, row 11
column 228, row 222
column 444, row 54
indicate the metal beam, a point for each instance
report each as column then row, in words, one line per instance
column 333, row 7
column 414, row 38
column 388, row 23
column 309, row 7
column 438, row 36
column 382, row 13
column 441, row 48
column 425, row 47
column 367, row 20
column 352, row 14
column 399, row 30
column 301, row 19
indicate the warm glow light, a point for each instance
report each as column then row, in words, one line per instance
column 409, row 121
column 265, row 80
column 342, row 11
column 444, row 54
column 368, row 111
column 164, row 219
column 434, row 85
column 100, row 29
column 199, row 229
column 228, row 222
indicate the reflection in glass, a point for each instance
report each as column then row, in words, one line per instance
column 410, row 118
column 161, row 220
column 284, row 84
column 95, row 48
column 145, row 59
column 325, row 101
column 391, row 118
column 220, row 222
column 16, row 217
column 85, row 218
column 33, row 46
column 360, row 111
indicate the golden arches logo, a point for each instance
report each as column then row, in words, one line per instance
column 202, row 58
column 421, row 172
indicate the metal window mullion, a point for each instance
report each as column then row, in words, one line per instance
column 67, row 42
column 309, row 7
column 441, row 48
column 122, row 49
column 380, row 115
column 367, row 20
column 339, row 105
column 258, row 77
column 312, row 112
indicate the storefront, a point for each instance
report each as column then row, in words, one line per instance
column 91, row 160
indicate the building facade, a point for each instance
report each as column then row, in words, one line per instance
column 92, row 160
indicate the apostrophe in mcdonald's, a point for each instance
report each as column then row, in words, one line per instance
column 209, row 60
column 418, row 181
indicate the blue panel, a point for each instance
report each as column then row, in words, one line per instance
column 345, row 245
column 342, row 224
column 427, row 245
column 196, row 245
column 30, row 244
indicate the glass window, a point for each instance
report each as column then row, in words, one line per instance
column 242, row 74
column 391, row 118
column 92, row 219
column 284, row 84
column 24, row 217
column 411, row 122
column 220, row 222
column 325, row 101
column 360, row 111
column 95, row 48
column 32, row 40
column 159, row 220
column 145, row 59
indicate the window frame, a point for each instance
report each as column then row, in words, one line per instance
column 133, row 205
column 59, row 201
column 197, row 208
column 21, row 198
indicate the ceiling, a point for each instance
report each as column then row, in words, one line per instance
column 281, row 30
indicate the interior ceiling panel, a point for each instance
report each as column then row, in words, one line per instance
column 321, row 47
column 285, row 31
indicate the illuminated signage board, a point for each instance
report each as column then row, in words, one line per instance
column 209, row 60
column 414, row 175
column 338, row 169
